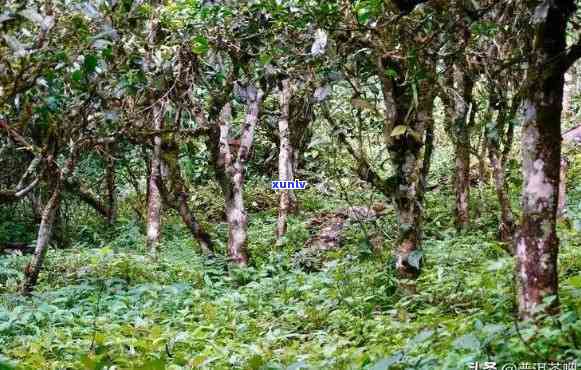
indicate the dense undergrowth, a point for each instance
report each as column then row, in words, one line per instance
column 115, row 306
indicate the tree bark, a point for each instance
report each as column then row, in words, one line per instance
column 285, row 159
column 230, row 170
column 178, row 199
column 569, row 92
column 188, row 218
column 111, row 190
column 537, row 243
column 154, row 204
column 301, row 115
column 562, row 207
column 406, row 157
column 45, row 229
column 461, row 130
column 507, row 227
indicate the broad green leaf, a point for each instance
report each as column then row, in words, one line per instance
column 468, row 341
column 200, row 45
column 387, row 362
column 398, row 130
column 422, row 337
column 90, row 63
column 415, row 258
column 574, row 281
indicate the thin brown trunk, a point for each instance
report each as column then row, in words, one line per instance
column 507, row 227
column 482, row 173
column 45, row 230
column 111, row 190
column 461, row 129
column 285, row 159
column 178, row 199
column 562, row 207
column 154, row 203
column 568, row 93
column 188, row 218
column 428, row 151
column 48, row 218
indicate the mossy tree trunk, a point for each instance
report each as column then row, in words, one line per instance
column 537, row 243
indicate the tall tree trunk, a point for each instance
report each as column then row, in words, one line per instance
column 410, row 170
column 537, row 243
column 461, row 129
column 507, row 225
column 154, row 203
column 406, row 157
column 285, row 159
column 45, row 230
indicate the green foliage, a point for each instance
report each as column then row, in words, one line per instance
column 117, row 306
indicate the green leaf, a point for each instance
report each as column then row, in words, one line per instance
column 157, row 364
column 90, row 63
column 415, row 258
column 6, row 366
column 298, row 365
column 77, row 75
column 200, row 45
column 391, row 73
column 387, row 362
column 399, row 130
column 265, row 58
column 574, row 281
column 468, row 341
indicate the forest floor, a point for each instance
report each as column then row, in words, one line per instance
column 292, row 309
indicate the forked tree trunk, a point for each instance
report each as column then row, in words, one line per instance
column 537, row 243
column 154, row 203
column 285, row 160
column 45, row 230
column 230, row 170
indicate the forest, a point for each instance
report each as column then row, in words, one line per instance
column 290, row 184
